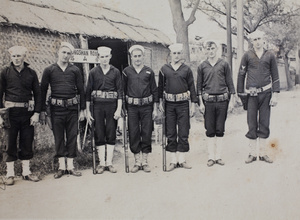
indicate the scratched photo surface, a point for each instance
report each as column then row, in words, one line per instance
column 237, row 190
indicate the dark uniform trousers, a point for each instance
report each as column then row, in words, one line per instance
column 20, row 124
column 140, row 127
column 214, row 118
column 105, row 124
column 177, row 115
column 258, row 115
column 65, row 124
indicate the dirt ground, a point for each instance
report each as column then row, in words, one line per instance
column 234, row 191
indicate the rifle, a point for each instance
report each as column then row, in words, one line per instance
column 163, row 136
column 125, row 142
column 92, row 135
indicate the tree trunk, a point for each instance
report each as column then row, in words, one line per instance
column 287, row 72
column 181, row 26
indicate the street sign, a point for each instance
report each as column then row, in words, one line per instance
column 84, row 56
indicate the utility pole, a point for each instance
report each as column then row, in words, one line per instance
column 229, row 39
column 240, row 30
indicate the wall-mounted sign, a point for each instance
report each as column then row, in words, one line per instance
column 84, row 56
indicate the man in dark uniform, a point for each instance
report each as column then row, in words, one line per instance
column 20, row 84
column 176, row 84
column 214, row 87
column 66, row 82
column 141, row 92
column 262, row 87
column 105, row 85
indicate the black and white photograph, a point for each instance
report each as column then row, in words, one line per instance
column 149, row 109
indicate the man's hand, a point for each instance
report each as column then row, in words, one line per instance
column 89, row 117
column 34, row 119
column 43, row 118
column 192, row 109
column 117, row 114
column 81, row 115
column 232, row 102
column 154, row 114
column 274, row 99
column 201, row 105
column 161, row 106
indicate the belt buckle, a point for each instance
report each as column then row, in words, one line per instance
column 75, row 101
column 53, row 101
column 145, row 101
column 98, row 93
column 179, row 97
column 136, row 101
column 110, row 95
column 69, row 102
column 59, row 102
column 253, row 91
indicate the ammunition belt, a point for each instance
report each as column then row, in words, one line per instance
column 139, row 101
column 215, row 98
column 63, row 102
column 253, row 91
column 9, row 104
column 177, row 97
column 104, row 95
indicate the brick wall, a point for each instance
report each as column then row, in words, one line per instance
column 42, row 45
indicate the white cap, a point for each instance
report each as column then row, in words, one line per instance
column 256, row 34
column 17, row 50
column 68, row 45
column 104, row 51
column 136, row 47
column 176, row 47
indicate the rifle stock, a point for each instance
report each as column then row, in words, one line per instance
column 163, row 138
column 92, row 136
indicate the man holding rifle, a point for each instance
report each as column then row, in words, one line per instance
column 141, row 100
column 105, row 88
column 176, row 90
column 66, row 83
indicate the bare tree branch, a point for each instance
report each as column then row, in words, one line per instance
column 192, row 17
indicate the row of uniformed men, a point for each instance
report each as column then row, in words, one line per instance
column 175, row 95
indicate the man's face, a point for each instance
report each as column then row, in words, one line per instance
column 17, row 58
column 211, row 51
column 137, row 57
column 176, row 56
column 257, row 42
column 104, row 59
column 64, row 54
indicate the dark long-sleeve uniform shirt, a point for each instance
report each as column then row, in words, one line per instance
column 109, row 82
column 176, row 81
column 260, row 71
column 215, row 79
column 20, row 86
column 64, row 84
column 140, row 85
